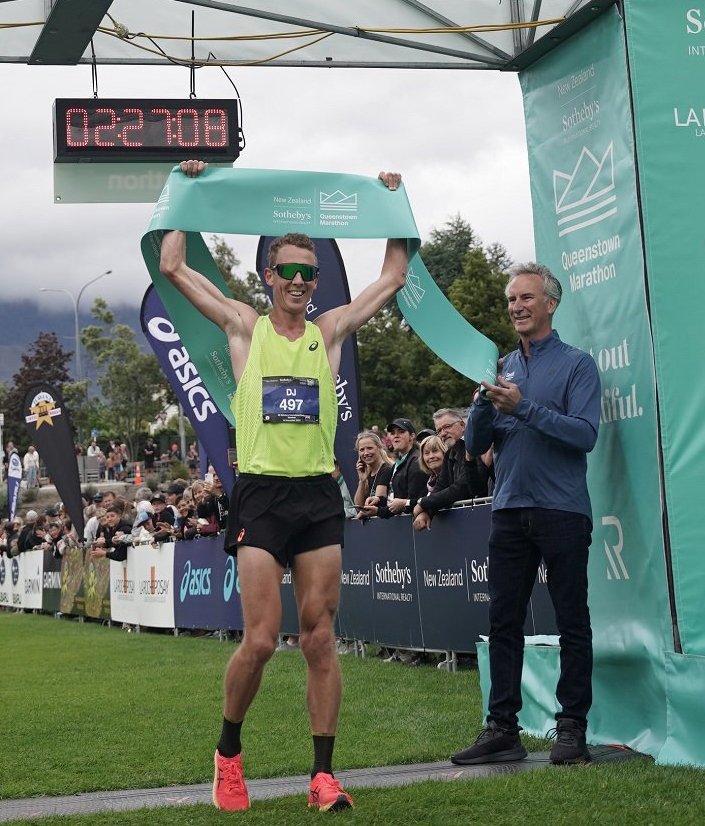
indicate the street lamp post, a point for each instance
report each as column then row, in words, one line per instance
column 76, row 301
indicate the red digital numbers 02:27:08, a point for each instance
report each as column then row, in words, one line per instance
column 185, row 127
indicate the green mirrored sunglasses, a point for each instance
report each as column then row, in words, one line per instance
column 288, row 271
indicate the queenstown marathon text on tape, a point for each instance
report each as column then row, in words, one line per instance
column 332, row 220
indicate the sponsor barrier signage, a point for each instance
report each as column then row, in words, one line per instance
column 51, row 583
column 398, row 587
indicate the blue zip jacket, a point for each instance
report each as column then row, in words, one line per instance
column 540, row 449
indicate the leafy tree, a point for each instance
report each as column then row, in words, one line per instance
column 248, row 290
column 400, row 375
column 87, row 412
column 393, row 362
column 478, row 294
column 45, row 360
column 131, row 381
column 444, row 255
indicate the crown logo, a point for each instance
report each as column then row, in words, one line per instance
column 586, row 195
column 338, row 201
column 412, row 292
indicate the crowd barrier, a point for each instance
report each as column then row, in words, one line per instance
column 399, row 587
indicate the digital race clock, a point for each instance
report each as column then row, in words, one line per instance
column 116, row 129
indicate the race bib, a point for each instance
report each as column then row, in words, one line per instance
column 289, row 399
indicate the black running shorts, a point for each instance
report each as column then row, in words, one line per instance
column 283, row 515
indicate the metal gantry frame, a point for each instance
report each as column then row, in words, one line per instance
column 74, row 32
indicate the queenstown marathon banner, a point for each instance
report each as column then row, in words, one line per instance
column 209, row 424
column 666, row 46
column 50, row 431
column 14, row 479
column 587, row 230
column 323, row 205
column 333, row 291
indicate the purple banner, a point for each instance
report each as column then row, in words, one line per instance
column 332, row 291
column 14, row 477
column 209, row 424
column 207, row 590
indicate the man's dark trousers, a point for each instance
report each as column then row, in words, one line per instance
column 519, row 539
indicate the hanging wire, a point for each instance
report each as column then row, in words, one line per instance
column 192, row 72
column 94, row 71
column 238, row 102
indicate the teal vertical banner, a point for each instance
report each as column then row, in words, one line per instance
column 587, row 229
column 666, row 44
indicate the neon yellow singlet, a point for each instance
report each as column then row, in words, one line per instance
column 284, row 448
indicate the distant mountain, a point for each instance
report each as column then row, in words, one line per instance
column 23, row 321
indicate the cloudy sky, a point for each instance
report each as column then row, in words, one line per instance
column 457, row 137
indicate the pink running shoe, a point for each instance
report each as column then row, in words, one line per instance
column 229, row 789
column 327, row 795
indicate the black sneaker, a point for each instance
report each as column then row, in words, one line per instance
column 570, row 746
column 493, row 745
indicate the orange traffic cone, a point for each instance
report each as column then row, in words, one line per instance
column 138, row 475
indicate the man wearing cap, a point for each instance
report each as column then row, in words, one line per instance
column 163, row 518
column 408, row 482
column 173, row 496
column 286, row 509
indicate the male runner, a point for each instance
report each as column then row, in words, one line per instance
column 286, row 508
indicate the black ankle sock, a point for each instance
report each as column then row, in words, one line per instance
column 229, row 743
column 323, row 753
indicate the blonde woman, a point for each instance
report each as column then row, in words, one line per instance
column 432, row 451
column 374, row 469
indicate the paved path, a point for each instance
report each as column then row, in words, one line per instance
column 278, row 787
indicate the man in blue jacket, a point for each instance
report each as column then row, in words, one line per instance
column 542, row 417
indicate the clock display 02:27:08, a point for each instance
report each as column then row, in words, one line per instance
column 133, row 130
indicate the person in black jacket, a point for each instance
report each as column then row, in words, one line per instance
column 459, row 479
column 408, row 481
column 33, row 532
column 113, row 536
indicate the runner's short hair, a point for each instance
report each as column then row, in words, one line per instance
column 294, row 239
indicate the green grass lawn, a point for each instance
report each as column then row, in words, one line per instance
column 91, row 708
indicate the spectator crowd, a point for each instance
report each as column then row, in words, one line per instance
column 400, row 470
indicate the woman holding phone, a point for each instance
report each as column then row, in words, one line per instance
column 374, row 470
